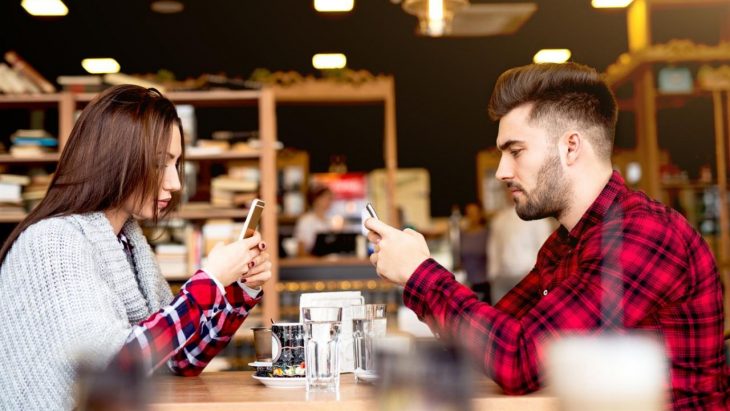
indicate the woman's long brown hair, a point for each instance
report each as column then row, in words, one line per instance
column 115, row 152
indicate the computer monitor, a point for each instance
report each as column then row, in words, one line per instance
column 334, row 243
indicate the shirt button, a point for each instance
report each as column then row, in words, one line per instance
column 544, row 292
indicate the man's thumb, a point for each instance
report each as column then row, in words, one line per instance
column 378, row 227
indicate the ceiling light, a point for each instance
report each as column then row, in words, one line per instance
column 610, row 4
column 329, row 61
column 100, row 65
column 434, row 16
column 167, row 6
column 45, row 7
column 552, row 56
column 333, row 6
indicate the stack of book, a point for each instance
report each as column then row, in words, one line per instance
column 31, row 143
column 19, row 77
column 172, row 259
column 236, row 189
column 81, row 84
column 36, row 190
column 11, row 187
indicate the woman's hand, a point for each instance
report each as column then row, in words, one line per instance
column 259, row 269
column 227, row 263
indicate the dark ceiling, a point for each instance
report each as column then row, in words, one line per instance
column 443, row 85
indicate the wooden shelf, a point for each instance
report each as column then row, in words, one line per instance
column 43, row 158
column 323, row 261
column 29, row 100
column 201, row 98
column 12, row 217
column 223, row 156
column 205, row 213
column 195, row 213
column 313, row 91
column 656, row 4
column 676, row 51
column 54, row 157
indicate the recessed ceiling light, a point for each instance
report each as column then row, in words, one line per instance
column 45, row 7
column 552, row 56
column 333, row 6
column 100, row 65
column 610, row 4
column 167, row 6
column 324, row 61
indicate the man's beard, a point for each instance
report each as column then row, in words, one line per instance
column 550, row 196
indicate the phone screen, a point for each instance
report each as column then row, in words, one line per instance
column 252, row 219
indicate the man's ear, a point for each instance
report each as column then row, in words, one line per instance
column 571, row 145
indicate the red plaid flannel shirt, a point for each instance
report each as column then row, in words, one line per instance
column 629, row 263
column 190, row 331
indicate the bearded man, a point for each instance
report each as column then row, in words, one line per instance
column 619, row 260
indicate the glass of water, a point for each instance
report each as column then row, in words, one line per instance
column 368, row 325
column 322, row 341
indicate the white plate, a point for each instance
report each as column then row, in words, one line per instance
column 366, row 377
column 260, row 364
column 293, row 382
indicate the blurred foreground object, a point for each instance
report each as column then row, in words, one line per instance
column 608, row 373
column 424, row 375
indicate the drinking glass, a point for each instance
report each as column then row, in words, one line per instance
column 368, row 325
column 322, row 340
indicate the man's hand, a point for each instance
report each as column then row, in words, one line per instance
column 397, row 253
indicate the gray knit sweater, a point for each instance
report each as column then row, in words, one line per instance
column 69, row 294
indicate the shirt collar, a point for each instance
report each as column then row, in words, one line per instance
column 597, row 212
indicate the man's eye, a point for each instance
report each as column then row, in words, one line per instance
column 515, row 153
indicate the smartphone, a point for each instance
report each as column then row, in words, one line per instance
column 371, row 211
column 252, row 219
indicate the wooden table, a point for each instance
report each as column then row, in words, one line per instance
column 223, row 391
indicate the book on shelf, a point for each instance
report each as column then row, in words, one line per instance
column 34, row 192
column 14, row 179
column 23, row 68
column 13, row 83
column 11, row 193
column 172, row 259
column 81, row 84
column 227, row 183
column 223, row 198
column 32, row 142
column 29, row 151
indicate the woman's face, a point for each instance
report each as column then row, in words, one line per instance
column 323, row 202
column 170, row 182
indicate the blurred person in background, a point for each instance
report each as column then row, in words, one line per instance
column 79, row 284
column 513, row 247
column 315, row 220
column 473, row 249
column 619, row 261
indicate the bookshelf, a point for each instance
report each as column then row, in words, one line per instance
column 374, row 90
column 67, row 103
column 636, row 69
column 378, row 90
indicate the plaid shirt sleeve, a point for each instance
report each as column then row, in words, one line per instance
column 190, row 331
column 624, row 274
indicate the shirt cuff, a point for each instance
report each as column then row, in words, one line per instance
column 428, row 277
column 252, row 292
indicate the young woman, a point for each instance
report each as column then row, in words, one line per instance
column 315, row 220
column 78, row 281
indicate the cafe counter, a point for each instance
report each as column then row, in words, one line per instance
column 223, row 391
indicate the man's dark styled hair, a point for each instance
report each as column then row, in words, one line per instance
column 561, row 95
